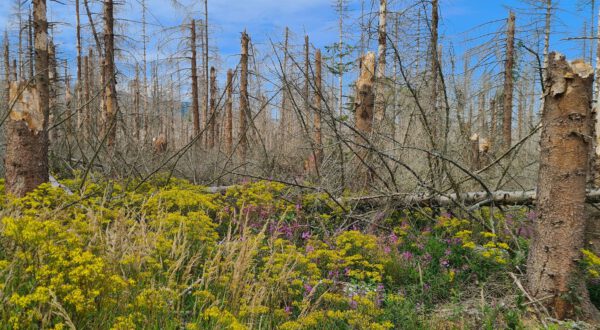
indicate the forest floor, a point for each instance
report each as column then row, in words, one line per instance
column 166, row 254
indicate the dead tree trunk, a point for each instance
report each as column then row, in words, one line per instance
column 553, row 270
column 195, row 104
column 243, row 140
column 111, row 108
column 284, row 90
column 508, row 82
column 379, row 114
column 30, row 45
column 213, row 111
column 26, row 160
column 7, row 67
column 78, row 86
column 365, row 99
column 307, row 76
column 317, row 115
column 229, row 114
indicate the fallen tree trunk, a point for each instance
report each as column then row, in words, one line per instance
column 471, row 199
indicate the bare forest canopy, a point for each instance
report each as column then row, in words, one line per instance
column 453, row 112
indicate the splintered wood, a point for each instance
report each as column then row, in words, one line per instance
column 25, row 105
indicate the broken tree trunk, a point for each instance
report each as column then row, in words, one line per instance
column 318, row 153
column 26, row 160
column 365, row 99
column 553, row 269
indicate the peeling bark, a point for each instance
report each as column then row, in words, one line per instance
column 553, row 264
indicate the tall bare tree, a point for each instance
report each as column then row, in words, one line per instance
column 111, row 107
column 380, row 75
column 229, row 113
column 213, row 105
column 244, row 106
column 508, row 83
column 195, row 105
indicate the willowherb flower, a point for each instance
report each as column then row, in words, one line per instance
column 288, row 309
column 306, row 235
column 309, row 249
column 393, row 238
column 387, row 249
column 445, row 263
column 307, row 289
column 407, row 255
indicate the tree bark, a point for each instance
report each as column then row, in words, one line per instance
column 229, row 114
column 213, row 104
column 78, row 86
column 508, row 82
column 243, row 141
column 553, row 268
column 317, row 115
column 111, row 107
column 379, row 110
column 26, row 161
column 195, row 104
column 284, row 91
column 365, row 99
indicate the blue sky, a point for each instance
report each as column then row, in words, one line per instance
column 265, row 19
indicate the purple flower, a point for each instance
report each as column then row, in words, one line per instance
column 306, row 235
column 393, row 238
column 288, row 309
column 531, row 215
column 427, row 257
column 447, row 252
column 353, row 304
column 333, row 274
column 347, row 271
column 309, row 249
column 407, row 255
column 298, row 207
column 387, row 249
column 445, row 263
column 307, row 289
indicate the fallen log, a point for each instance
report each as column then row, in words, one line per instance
column 472, row 200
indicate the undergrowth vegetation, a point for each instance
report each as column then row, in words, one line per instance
column 171, row 255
